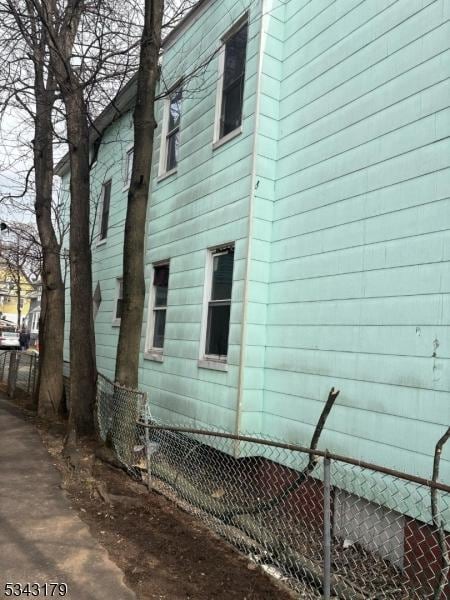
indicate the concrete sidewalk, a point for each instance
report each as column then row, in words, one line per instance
column 41, row 538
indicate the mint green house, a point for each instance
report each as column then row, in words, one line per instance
column 298, row 234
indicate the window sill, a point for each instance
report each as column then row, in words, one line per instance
column 116, row 323
column 230, row 136
column 154, row 355
column 215, row 365
column 166, row 175
column 101, row 242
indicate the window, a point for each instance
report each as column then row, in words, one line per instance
column 171, row 140
column 97, row 299
column 104, row 214
column 128, row 165
column 220, row 275
column 232, row 66
column 119, row 300
column 158, row 307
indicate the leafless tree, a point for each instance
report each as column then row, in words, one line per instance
column 28, row 87
column 159, row 16
column 81, row 54
column 133, row 252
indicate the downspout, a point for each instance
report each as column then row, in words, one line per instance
column 253, row 183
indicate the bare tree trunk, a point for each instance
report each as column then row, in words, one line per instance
column 19, row 297
column 51, row 334
column 82, row 340
column 127, row 361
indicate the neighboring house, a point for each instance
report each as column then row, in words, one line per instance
column 298, row 226
column 9, row 295
column 32, row 320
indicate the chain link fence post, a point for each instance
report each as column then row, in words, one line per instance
column 147, row 443
column 30, row 369
column 2, row 367
column 12, row 373
column 326, row 528
column 35, row 371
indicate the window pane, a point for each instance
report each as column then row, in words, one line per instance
column 175, row 110
column 129, row 164
column 173, row 144
column 106, row 193
column 160, row 326
column 235, row 50
column 222, row 278
column 161, row 282
column 119, row 308
column 232, row 107
column 97, row 299
column 218, row 327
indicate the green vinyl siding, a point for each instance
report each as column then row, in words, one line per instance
column 359, row 287
column 341, row 176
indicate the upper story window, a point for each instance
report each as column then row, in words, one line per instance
column 231, row 82
column 96, row 299
column 128, row 165
column 117, row 315
column 218, row 297
column 170, row 143
column 104, row 212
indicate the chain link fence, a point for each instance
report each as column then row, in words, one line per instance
column 119, row 410
column 19, row 371
column 327, row 526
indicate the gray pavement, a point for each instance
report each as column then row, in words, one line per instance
column 41, row 538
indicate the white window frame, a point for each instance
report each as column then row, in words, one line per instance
column 150, row 352
column 128, row 165
column 217, row 140
column 162, row 171
column 117, row 296
column 212, row 361
column 102, row 240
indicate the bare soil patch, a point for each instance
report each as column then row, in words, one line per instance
column 164, row 552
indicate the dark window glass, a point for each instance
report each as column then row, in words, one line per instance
column 173, row 130
column 173, row 145
column 175, row 109
column 119, row 300
column 106, row 198
column 219, row 305
column 218, row 328
column 97, row 299
column 161, row 282
column 222, row 276
column 160, row 326
column 119, row 308
column 233, row 81
column 160, row 285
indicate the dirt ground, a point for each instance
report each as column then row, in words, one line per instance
column 164, row 552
